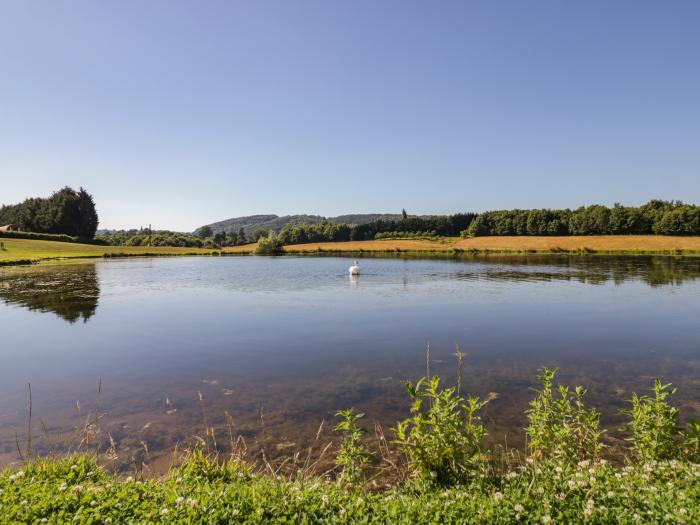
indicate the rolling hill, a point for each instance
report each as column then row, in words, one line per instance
column 276, row 223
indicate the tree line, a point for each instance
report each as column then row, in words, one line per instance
column 655, row 217
column 433, row 225
column 66, row 211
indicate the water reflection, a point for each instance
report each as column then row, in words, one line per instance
column 71, row 292
column 299, row 338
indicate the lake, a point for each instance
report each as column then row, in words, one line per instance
column 275, row 346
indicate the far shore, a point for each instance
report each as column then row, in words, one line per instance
column 22, row 251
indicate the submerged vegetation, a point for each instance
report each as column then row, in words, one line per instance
column 435, row 470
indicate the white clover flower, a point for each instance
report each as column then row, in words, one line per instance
column 610, row 494
column 518, row 507
column 546, row 519
column 558, row 470
column 179, row 501
column 324, row 498
column 191, row 502
column 584, row 463
column 498, row 496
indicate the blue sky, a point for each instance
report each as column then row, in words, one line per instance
column 183, row 113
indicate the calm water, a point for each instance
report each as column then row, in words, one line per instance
column 297, row 339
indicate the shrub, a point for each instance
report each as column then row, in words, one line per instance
column 653, row 424
column 352, row 455
column 270, row 245
column 442, row 440
column 560, row 425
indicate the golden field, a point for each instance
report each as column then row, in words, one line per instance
column 593, row 243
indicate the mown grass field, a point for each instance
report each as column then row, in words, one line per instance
column 16, row 251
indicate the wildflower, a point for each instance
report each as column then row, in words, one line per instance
column 16, row 475
column 179, row 501
column 584, row 463
column 129, row 479
column 93, row 503
column 191, row 502
column 610, row 494
column 360, row 502
column 164, row 512
column 324, row 498
column 518, row 507
column 498, row 496
column 546, row 519
column 512, row 475
column 558, row 470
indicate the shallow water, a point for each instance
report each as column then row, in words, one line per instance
column 296, row 339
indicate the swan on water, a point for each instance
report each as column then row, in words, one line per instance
column 354, row 269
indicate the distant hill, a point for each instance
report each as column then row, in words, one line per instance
column 276, row 223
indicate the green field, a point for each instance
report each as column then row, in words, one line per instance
column 23, row 251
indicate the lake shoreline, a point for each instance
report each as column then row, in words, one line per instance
column 22, row 252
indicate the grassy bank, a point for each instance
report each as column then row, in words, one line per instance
column 76, row 490
column 25, row 251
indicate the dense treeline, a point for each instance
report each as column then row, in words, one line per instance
column 439, row 225
column 66, row 212
column 203, row 238
column 655, row 217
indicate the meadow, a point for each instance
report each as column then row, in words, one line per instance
column 26, row 251
column 604, row 244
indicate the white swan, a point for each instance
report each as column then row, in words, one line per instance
column 354, row 269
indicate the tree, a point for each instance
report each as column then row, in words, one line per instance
column 404, row 215
column 204, row 232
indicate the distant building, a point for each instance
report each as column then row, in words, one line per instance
column 9, row 228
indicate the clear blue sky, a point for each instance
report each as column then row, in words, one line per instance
column 183, row 113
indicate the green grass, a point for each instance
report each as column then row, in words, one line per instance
column 25, row 251
column 77, row 490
